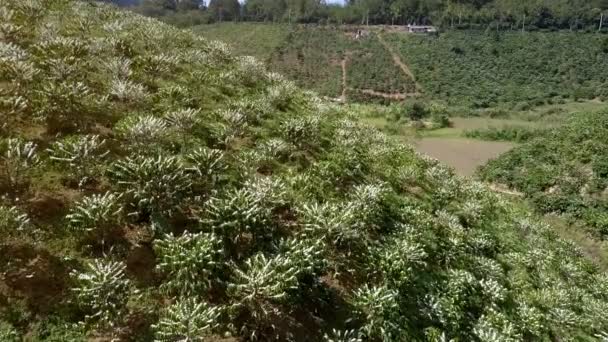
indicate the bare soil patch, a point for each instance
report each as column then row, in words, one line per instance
column 464, row 155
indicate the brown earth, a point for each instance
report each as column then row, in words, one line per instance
column 464, row 155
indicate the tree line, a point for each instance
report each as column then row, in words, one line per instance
column 507, row 14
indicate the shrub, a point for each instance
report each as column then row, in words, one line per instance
column 188, row 262
column 12, row 220
column 342, row 336
column 154, row 185
column 187, row 320
column 379, row 309
column 19, row 158
column 237, row 213
column 96, row 212
column 81, row 154
column 416, row 111
column 102, row 291
column 206, row 163
column 8, row 333
column 259, row 287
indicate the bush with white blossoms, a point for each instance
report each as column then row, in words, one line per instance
column 187, row 320
column 154, row 185
column 12, row 220
column 96, row 212
column 102, row 290
column 127, row 91
column 236, row 213
column 18, row 159
column 378, row 306
column 80, row 153
column 188, row 262
column 259, row 286
column 144, row 129
column 342, row 336
column 276, row 215
column 206, row 163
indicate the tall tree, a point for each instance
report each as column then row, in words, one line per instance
column 225, row 9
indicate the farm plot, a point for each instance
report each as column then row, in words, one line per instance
column 484, row 70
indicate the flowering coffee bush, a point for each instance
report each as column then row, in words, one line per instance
column 189, row 262
column 187, row 320
column 239, row 206
column 102, row 291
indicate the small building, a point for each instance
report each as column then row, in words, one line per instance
column 421, row 29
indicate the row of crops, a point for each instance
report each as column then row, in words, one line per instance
column 484, row 69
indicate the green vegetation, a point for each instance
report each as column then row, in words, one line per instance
column 248, row 39
column 506, row 133
column 488, row 69
column 156, row 187
column 492, row 74
column 495, row 14
column 563, row 171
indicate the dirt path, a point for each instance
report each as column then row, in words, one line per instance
column 391, row 96
column 344, row 85
column 398, row 62
column 501, row 189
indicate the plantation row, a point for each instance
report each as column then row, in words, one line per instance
column 472, row 68
column 157, row 188
column 562, row 171
column 489, row 69
column 312, row 56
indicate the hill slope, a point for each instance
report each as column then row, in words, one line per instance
column 563, row 171
column 488, row 69
column 158, row 188
column 465, row 68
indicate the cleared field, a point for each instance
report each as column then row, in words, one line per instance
column 464, row 155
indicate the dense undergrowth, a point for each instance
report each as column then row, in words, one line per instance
column 513, row 133
column 158, row 188
column 563, row 171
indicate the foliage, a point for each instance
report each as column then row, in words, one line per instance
column 18, row 159
column 474, row 69
column 102, row 289
column 12, row 220
column 80, row 153
column 379, row 308
column 517, row 134
column 155, row 185
column 278, row 208
column 258, row 288
column 8, row 333
column 188, row 262
column 187, row 320
column 562, row 171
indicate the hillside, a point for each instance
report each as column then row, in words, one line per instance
column 325, row 59
column 562, row 171
column 471, row 69
column 156, row 187
column 486, row 69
